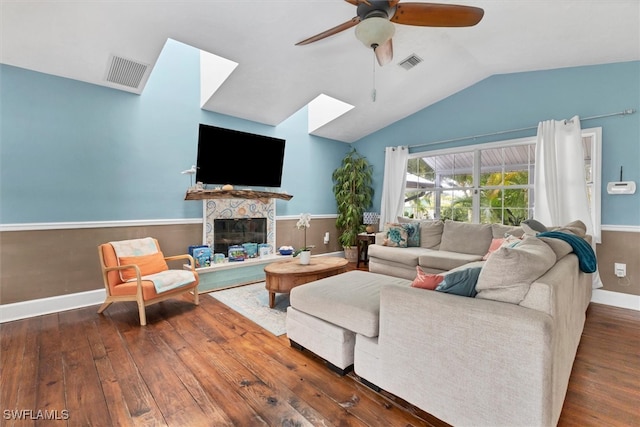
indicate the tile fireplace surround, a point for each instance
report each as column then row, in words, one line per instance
column 239, row 208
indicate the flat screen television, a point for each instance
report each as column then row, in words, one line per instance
column 227, row 156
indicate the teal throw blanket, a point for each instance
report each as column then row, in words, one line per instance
column 583, row 250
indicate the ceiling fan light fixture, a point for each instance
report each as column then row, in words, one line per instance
column 374, row 31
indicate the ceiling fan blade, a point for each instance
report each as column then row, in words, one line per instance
column 335, row 30
column 384, row 53
column 437, row 15
column 392, row 3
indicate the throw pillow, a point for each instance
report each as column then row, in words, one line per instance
column 413, row 234
column 148, row 264
column 461, row 282
column 534, row 225
column 412, row 226
column 495, row 245
column 508, row 241
column 426, row 280
column 395, row 235
column 508, row 272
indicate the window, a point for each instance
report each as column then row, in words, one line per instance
column 487, row 183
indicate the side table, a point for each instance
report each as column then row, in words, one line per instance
column 363, row 241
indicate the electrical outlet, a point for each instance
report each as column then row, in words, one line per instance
column 620, row 269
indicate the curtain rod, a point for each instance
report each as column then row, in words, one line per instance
column 619, row 113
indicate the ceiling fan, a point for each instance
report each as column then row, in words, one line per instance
column 375, row 18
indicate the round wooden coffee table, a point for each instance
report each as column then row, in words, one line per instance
column 282, row 276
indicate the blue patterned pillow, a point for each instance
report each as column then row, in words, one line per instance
column 413, row 234
column 396, row 236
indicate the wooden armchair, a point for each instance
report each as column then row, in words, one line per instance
column 136, row 270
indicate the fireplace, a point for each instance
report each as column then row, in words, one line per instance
column 249, row 210
column 236, row 231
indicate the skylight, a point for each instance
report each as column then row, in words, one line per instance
column 214, row 70
column 324, row 109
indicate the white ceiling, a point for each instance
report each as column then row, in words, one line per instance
column 275, row 78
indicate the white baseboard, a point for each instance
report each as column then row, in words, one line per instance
column 616, row 299
column 39, row 307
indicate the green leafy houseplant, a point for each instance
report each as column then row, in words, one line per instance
column 354, row 193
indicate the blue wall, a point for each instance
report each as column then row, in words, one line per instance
column 72, row 151
column 521, row 100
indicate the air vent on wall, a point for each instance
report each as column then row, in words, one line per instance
column 410, row 62
column 126, row 72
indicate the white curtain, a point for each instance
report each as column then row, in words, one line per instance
column 560, row 184
column 395, row 179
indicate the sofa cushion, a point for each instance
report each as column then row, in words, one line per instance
column 408, row 256
column 443, row 260
column 509, row 272
column 350, row 300
column 466, row 238
column 431, row 234
column 559, row 247
column 576, row 227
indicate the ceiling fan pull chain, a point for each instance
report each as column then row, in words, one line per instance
column 373, row 92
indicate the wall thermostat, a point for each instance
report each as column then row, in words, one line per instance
column 621, row 187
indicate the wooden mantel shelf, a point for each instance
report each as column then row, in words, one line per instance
column 235, row 194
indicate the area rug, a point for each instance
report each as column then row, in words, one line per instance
column 252, row 301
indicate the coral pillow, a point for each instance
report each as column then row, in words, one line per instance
column 495, row 245
column 148, row 264
column 426, row 281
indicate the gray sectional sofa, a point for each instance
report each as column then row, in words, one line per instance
column 443, row 246
column 502, row 358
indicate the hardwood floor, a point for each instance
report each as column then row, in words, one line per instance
column 209, row 366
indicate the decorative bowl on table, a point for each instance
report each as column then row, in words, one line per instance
column 285, row 250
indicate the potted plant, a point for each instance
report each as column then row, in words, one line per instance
column 354, row 193
column 305, row 251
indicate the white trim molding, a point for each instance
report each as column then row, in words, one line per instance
column 32, row 226
column 42, row 306
column 616, row 299
column 313, row 216
column 35, row 226
column 624, row 228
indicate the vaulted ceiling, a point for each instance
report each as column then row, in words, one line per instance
column 274, row 78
